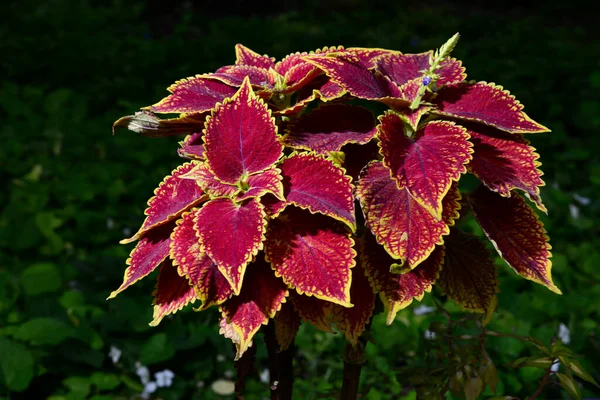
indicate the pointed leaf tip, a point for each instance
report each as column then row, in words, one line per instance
column 312, row 253
column 408, row 231
column 427, row 163
column 315, row 183
column 231, row 234
column 485, row 103
column 241, row 137
column 516, row 232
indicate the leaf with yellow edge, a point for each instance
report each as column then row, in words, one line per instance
column 287, row 323
column 173, row 292
column 150, row 251
column 315, row 183
column 485, row 103
column 172, row 197
column 407, row 230
column 193, row 95
column 261, row 297
column 194, row 264
column 245, row 56
column 353, row 321
column 516, row 232
column 231, row 234
column 469, row 273
column 312, row 253
column 316, row 311
column 397, row 291
column 426, row 163
column 241, row 137
column 505, row 161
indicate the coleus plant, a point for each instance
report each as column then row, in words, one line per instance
column 297, row 204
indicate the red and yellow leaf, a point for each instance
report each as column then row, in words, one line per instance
column 261, row 183
column 287, row 323
column 486, row 103
column 313, row 310
column 451, row 72
column 209, row 183
column 245, row 56
column 235, row 75
column 427, row 163
column 148, row 124
column 402, row 68
column 368, row 56
column 261, row 297
column 173, row 292
column 397, row 291
column 452, row 205
column 348, row 71
column 312, row 253
column 413, row 117
column 173, row 196
column 315, row 183
column 504, row 161
column 241, row 137
column 330, row 127
column 516, row 232
column 352, row 321
column 193, row 263
column 231, row 234
column 193, row 95
column 407, row 230
column 192, row 147
column 150, row 251
column 469, row 273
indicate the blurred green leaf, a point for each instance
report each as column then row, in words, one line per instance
column 41, row 278
column 158, row 348
column 105, row 381
column 575, row 367
column 536, row 362
column 16, row 365
column 569, row 384
column 79, row 387
column 40, row 331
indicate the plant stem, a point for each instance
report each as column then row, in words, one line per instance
column 272, row 347
column 281, row 373
column 542, row 384
column 286, row 372
column 243, row 367
column 354, row 358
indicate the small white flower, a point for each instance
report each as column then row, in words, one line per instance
column 564, row 334
column 114, row 354
column 164, row 378
column 584, row 201
column 429, row 335
column 264, row 376
column 554, row 367
column 228, row 374
column 423, row 309
column 220, row 358
column 200, row 384
column 143, row 373
column 149, row 388
column 574, row 210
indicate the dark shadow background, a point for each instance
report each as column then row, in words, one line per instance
column 71, row 191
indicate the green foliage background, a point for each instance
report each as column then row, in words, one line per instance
column 71, row 191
